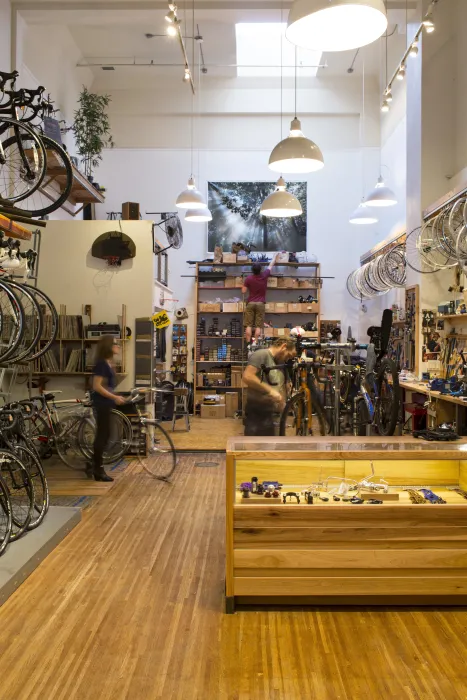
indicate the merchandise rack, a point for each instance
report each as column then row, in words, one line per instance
column 243, row 269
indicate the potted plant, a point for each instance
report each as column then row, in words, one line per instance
column 91, row 128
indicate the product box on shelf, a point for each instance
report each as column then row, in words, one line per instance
column 304, row 284
column 229, row 257
column 282, row 282
column 229, row 282
column 279, row 332
column 294, row 283
column 310, row 308
column 238, row 281
column 230, row 306
column 270, row 307
column 241, row 306
column 236, row 376
column 294, row 308
column 231, row 403
column 214, row 308
column 199, row 378
column 272, row 281
column 215, row 411
column 268, row 332
column 281, row 307
column 310, row 334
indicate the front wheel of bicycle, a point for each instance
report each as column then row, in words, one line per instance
column 159, row 458
column 20, row 490
column 294, row 418
column 387, row 403
column 5, row 516
column 119, row 442
column 67, row 440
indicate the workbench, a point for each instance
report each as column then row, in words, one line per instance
column 460, row 405
column 337, row 552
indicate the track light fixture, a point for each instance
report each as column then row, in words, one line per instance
column 171, row 15
column 414, row 49
column 388, row 96
column 401, row 72
column 187, row 75
column 385, row 106
column 428, row 23
column 172, row 29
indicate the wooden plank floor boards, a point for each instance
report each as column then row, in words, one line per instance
column 205, row 433
column 130, row 607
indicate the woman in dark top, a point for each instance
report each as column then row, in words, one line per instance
column 104, row 400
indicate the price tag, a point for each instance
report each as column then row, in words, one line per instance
column 161, row 320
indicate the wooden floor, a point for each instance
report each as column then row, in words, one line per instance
column 130, row 607
column 205, row 433
column 64, row 481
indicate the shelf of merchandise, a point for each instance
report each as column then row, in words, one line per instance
column 232, row 270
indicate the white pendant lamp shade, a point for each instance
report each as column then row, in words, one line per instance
column 281, row 204
column 191, row 198
column 198, row 215
column 296, row 154
column 336, row 25
column 381, row 196
column 362, row 216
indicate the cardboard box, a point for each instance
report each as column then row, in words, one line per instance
column 310, row 308
column 282, row 282
column 294, row 284
column 303, row 284
column 210, row 308
column 231, row 403
column 230, row 307
column 268, row 332
column 229, row 282
column 294, row 308
column 213, row 412
column 272, row 281
column 270, row 307
column 239, row 281
column 279, row 332
column 281, row 307
column 199, row 378
column 229, row 257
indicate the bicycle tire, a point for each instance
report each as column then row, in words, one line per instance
column 12, row 322
column 120, row 440
column 362, row 418
column 5, row 516
column 49, row 330
column 39, row 481
column 161, row 458
column 387, row 403
column 40, row 435
column 20, row 490
column 38, row 155
column 35, row 203
column 32, row 320
column 67, row 441
column 300, row 423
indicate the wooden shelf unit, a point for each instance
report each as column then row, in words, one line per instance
column 206, row 290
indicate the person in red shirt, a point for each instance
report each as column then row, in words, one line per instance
column 256, row 286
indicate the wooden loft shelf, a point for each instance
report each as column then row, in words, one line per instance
column 82, row 191
column 14, row 230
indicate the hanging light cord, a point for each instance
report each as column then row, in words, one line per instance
column 282, row 42
column 295, row 82
column 192, row 92
column 362, row 130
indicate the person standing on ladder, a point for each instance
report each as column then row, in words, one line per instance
column 256, row 285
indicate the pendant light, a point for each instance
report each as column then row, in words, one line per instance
column 191, row 198
column 198, row 215
column 362, row 216
column 381, row 196
column 281, row 204
column 336, row 25
column 295, row 154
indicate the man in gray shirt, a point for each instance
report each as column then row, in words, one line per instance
column 266, row 394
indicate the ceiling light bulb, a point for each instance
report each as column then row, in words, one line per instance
column 190, row 198
column 388, row 96
column 281, row 204
column 401, row 73
column 414, row 49
column 363, row 216
column 381, row 196
column 172, row 30
column 198, row 215
column 187, row 74
column 170, row 17
column 385, row 106
column 428, row 23
column 339, row 25
column 296, row 153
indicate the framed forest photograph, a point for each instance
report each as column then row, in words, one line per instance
column 236, row 219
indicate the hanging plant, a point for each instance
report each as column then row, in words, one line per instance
column 92, row 129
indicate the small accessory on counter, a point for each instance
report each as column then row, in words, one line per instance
column 374, row 502
column 460, row 492
column 432, row 497
column 438, row 435
column 308, row 497
column 416, row 497
column 324, row 498
column 357, row 500
column 254, row 481
column 290, row 495
column 336, row 498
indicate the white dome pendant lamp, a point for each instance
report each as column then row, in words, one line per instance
column 296, row 153
column 190, row 198
column 281, row 204
column 381, row 196
column 362, row 215
column 336, row 25
column 198, row 215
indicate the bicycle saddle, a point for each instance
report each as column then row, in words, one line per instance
column 8, row 76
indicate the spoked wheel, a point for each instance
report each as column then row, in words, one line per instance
column 119, row 442
column 24, row 164
column 12, row 322
column 387, row 403
column 32, row 320
column 40, row 435
column 20, row 490
column 5, row 516
column 294, row 418
column 67, row 441
column 41, row 489
column 161, row 458
column 49, row 323
column 362, row 418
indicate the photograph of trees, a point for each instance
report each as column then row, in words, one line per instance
column 236, row 219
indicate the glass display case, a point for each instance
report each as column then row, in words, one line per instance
column 346, row 520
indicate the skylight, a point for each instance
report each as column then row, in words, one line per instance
column 259, row 52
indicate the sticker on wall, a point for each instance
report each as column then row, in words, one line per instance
column 160, row 320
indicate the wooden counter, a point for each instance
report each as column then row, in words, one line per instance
column 341, row 552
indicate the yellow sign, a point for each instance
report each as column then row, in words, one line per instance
column 161, row 320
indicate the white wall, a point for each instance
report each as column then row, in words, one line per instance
column 71, row 276
column 5, row 35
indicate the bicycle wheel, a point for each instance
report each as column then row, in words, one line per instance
column 39, row 481
column 5, row 516
column 294, row 417
column 362, row 418
column 387, row 402
column 56, row 185
column 121, row 435
column 40, row 435
column 67, row 440
column 49, row 323
column 20, row 490
column 32, row 317
column 24, row 161
column 11, row 322
column 161, row 458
